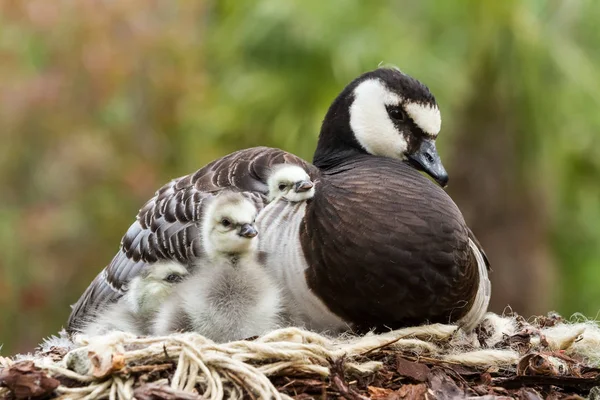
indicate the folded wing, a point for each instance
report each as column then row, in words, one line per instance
column 167, row 227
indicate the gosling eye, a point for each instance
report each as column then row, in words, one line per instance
column 174, row 278
column 397, row 113
column 282, row 187
column 226, row 222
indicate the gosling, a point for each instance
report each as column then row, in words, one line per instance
column 230, row 296
column 136, row 310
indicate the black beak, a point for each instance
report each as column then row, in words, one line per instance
column 427, row 159
column 303, row 186
column 248, row 231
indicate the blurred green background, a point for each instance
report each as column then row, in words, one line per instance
column 102, row 102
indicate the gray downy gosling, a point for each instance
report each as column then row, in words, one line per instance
column 230, row 296
column 135, row 311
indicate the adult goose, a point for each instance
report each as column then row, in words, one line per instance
column 379, row 245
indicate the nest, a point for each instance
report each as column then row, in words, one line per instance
column 545, row 357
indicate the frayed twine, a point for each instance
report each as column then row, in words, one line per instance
column 104, row 365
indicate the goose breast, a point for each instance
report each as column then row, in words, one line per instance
column 386, row 247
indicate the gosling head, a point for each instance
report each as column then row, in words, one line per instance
column 290, row 182
column 229, row 225
column 147, row 291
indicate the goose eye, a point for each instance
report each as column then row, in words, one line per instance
column 282, row 187
column 174, row 278
column 226, row 223
column 397, row 113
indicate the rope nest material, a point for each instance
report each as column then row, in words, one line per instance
column 504, row 356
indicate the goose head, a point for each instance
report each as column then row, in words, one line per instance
column 229, row 225
column 147, row 290
column 290, row 182
column 384, row 113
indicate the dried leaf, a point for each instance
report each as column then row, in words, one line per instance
column 542, row 364
column 443, row 386
column 26, row 381
column 520, row 341
column 416, row 371
column 529, row 394
column 56, row 353
column 547, row 321
column 153, row 391
column 377, row 393
column 412, row 392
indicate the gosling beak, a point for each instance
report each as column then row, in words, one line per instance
column 248, row 231
column 427, row 159
column 303, row 186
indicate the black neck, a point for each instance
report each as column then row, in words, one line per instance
column 326, row 160
column 337, row 142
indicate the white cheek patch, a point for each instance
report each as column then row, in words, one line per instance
column 426, row 117
column 370, row 122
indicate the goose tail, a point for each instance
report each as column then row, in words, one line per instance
column 484, row 291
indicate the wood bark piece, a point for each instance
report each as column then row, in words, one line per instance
column 415, row 371
column 26, row 381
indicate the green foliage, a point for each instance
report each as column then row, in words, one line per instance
column 103, row 102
